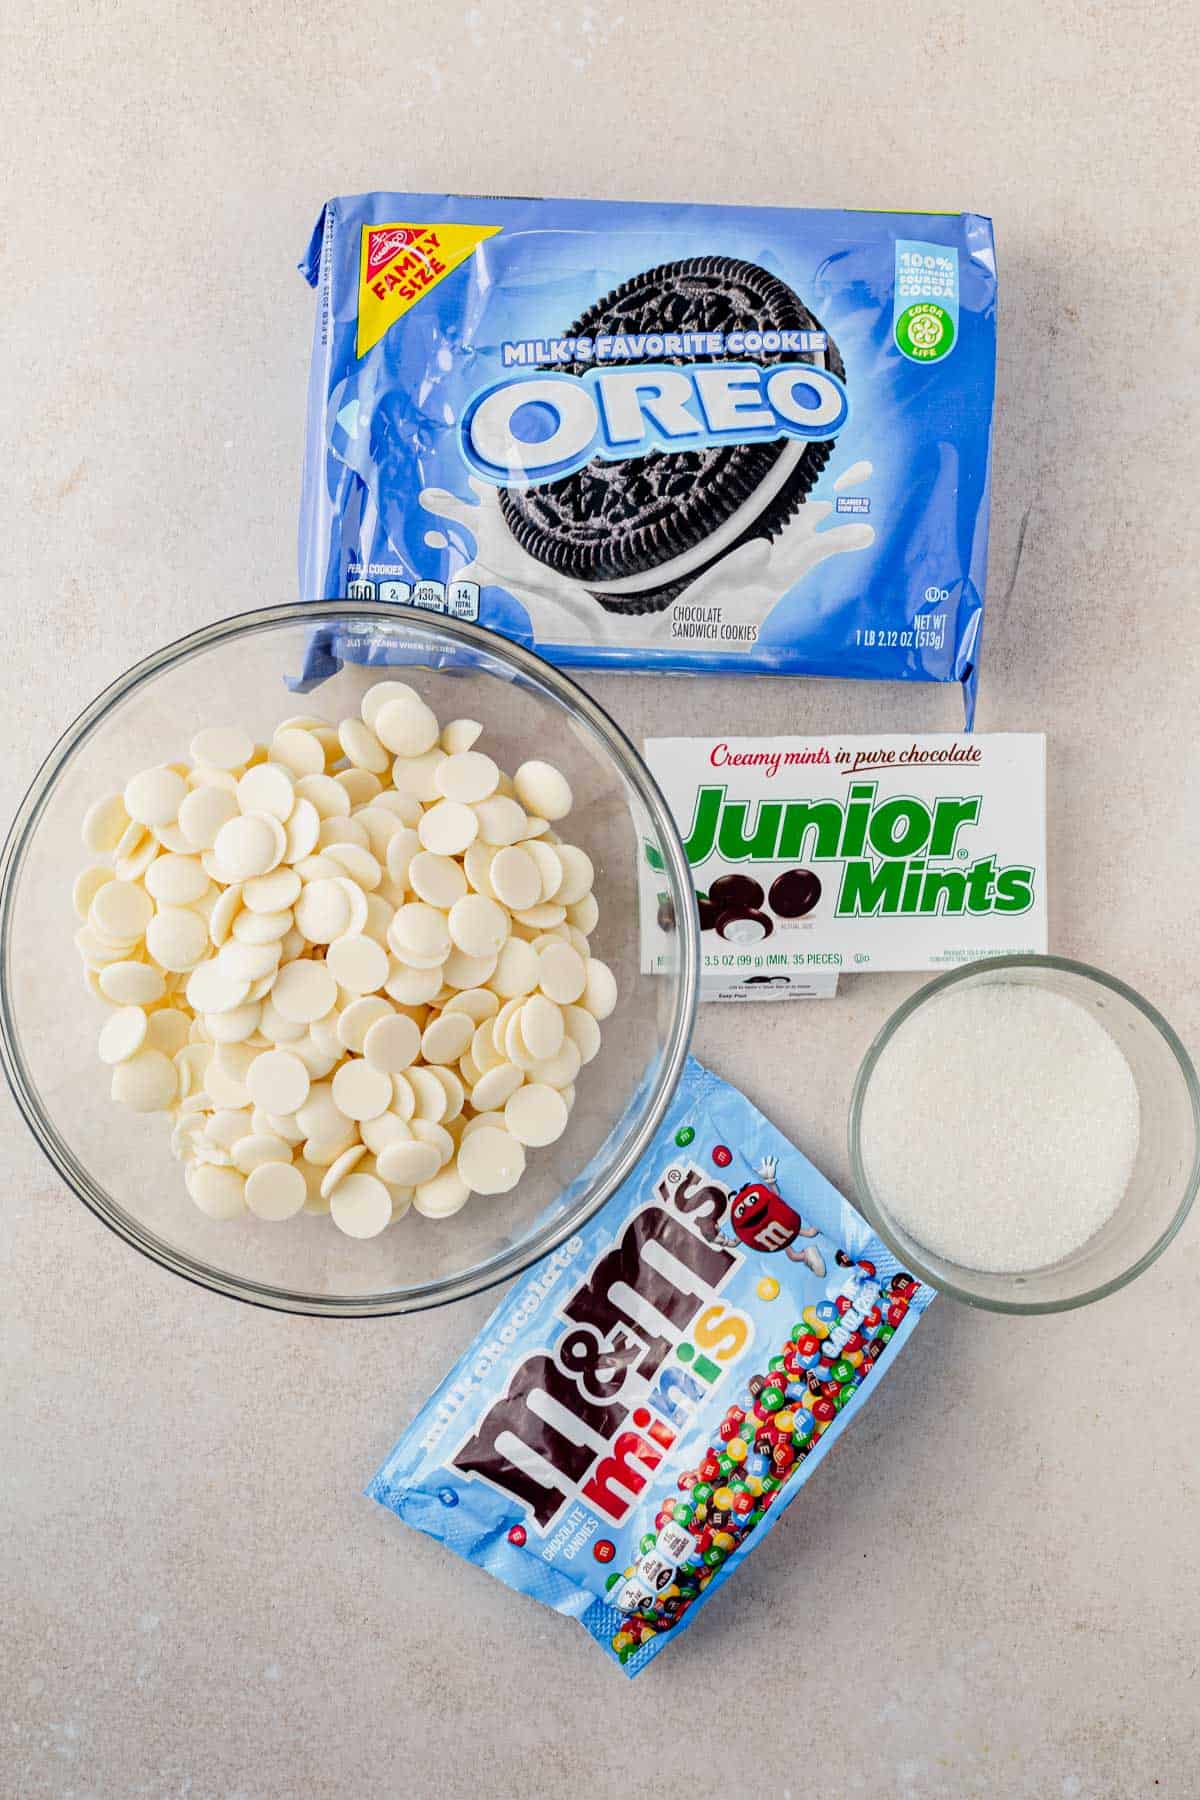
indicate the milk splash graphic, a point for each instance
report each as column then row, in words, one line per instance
column 723, row 609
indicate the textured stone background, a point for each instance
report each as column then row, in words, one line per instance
column 993, row 1589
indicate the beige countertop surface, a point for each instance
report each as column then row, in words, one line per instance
column 993, row 1589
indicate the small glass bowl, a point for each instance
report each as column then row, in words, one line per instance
column 245, row 670
column 1165, row 1175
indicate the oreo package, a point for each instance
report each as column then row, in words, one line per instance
column 644, row 1404
column 719, row 438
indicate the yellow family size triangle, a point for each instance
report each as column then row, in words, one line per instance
column 402, row 263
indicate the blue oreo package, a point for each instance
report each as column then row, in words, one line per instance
column 642, row 1406
column 718, row 438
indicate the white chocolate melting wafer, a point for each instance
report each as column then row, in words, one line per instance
column 351, row 961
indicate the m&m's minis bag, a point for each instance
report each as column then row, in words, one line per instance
column 639, row 1410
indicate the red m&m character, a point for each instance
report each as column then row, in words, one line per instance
column 762, row 1219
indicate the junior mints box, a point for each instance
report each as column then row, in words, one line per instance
column 813, row 856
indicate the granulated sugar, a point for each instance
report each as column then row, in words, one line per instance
column 1001, row 1126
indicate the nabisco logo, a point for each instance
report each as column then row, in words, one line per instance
column 387, row 242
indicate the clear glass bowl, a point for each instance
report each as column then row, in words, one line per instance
column 119, row 1163
column 1165, row 1176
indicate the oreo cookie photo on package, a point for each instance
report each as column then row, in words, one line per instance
column 740, row 439
column 639, row 533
